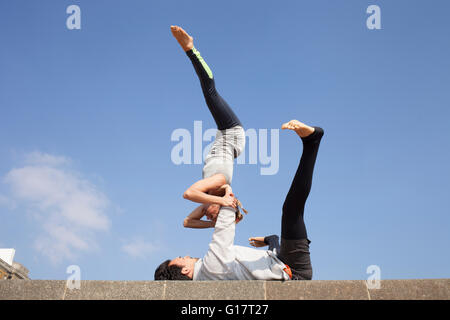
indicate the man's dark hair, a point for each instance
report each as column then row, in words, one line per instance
column 166, row 272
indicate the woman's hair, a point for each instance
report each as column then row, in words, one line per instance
column 166, row 272
column 239, row 215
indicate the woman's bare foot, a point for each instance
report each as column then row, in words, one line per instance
column 300, row 128
column 186, row 41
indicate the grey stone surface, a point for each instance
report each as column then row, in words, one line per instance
column 19, row 289
column 116, row 290
column 420, row 289
column 317, row 290
column 225, row 290
column 21, row 269
column 214, row 290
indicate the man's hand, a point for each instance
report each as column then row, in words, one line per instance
column 257, row 242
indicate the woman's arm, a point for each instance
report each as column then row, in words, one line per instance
column 198, row 192
column 223, row 190
column 193, row 220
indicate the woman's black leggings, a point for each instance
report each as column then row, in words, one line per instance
column 219, row 108
column 292, row 224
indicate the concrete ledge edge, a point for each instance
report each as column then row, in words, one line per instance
column 411, row 289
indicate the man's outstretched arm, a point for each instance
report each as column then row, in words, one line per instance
column 221, row 252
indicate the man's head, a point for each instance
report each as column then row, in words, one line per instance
column 181, row 268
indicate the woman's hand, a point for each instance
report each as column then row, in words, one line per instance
column 228, row 200
column 257, row 242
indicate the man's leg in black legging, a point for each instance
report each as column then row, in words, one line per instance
column 294, row 238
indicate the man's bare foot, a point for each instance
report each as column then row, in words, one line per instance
column 300, row 128
column 186, row 41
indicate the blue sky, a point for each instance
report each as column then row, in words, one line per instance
column 86, row 118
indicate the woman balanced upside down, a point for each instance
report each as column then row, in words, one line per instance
column 214, row 190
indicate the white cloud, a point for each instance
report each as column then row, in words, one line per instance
column 139, row 248
column 39, row 158
column 6, row 202
column 69, row 209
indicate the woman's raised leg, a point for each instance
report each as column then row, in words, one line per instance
column 223, row 115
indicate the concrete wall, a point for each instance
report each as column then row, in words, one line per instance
column 224, row 290
column 12, row 271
